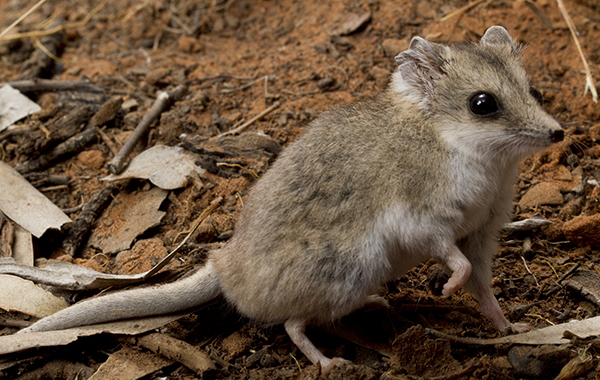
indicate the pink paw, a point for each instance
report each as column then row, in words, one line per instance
column 451, row 287
column 376, row 302
column 335, row 362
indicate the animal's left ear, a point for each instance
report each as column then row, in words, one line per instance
column 497, row 35
column 420, row 67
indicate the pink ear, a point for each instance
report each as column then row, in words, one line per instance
column 421, row 66
column 497, row 35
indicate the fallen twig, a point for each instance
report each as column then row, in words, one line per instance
column 589, row 80
column 163, row 100
column 78, row 231
column 49, row 85
column 72, row 145
column 242, row 127
column 526, row 224
column 538, row 12
column 461, row 10
column 190, row 356
column 568, row 273
column 55, row 132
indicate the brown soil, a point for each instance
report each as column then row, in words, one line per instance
column 238, row 57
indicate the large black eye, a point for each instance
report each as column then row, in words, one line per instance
column 483, row 104
column 536, row 95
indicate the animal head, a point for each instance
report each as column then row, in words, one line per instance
column 478, row 92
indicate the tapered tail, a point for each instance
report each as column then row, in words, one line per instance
column 189, row 292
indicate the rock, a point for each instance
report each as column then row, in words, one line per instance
column 538, row 362
column 235, row 344
column 206, row 232
column 541, row 194
column 583, row 230
column 189, row 44
column 353, row 24
column 326, row 84
column 157, row 75
column 107, row 112
column 142, row 257
column 381, row 76
column 91, row 158
column 393, row 46
column 501, row 363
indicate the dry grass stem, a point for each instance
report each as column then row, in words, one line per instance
column 461, row 10
column 30, row 11
column 243, row 127
column 48, row 32
column 240, row 167
column 589, row 80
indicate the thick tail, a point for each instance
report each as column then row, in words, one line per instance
column 186, row 293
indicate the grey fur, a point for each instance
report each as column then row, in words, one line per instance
column 372, row 189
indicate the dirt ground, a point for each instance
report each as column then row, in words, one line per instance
column 238, row 58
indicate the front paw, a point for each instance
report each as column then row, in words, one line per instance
column 451, row 287
column 376, row 302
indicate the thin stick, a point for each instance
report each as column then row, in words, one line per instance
column 163, row 100
column 589, row 80
column 461, row 10
column 30, row 11
column 51, row 85
column 528, row 270
column 568, row 273
column 244, row 126
column 209, row 210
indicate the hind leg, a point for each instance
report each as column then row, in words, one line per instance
column 295, row 329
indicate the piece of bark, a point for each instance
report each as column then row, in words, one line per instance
column 6, row 236
column 40, row 64
column 39, row 180
column 130, row 363
column 586, row 283
column 527, row 224
column 253, row 148
column 26, row 206
column 106, row 113
column 71, row 146
column 90, row 212
column 178, row 350
column 59, row 129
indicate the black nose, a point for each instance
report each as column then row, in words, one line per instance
column 557, row 135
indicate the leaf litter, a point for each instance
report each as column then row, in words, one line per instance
column 306, row 71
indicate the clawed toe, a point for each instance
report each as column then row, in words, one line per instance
column 334, row 362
